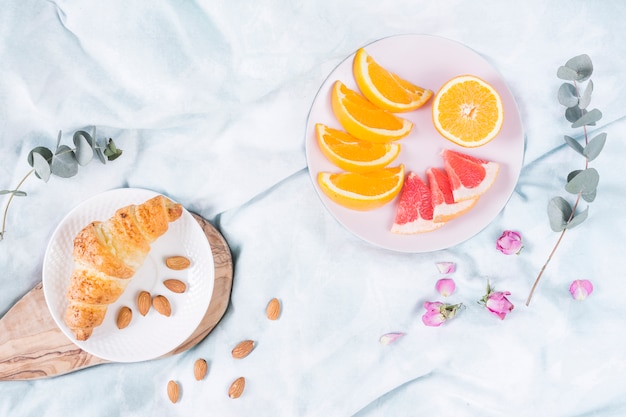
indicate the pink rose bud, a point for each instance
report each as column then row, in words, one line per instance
column 496, row 302
column 438, row 313
column 581, row 289
column 445, row 286
column 510, row 243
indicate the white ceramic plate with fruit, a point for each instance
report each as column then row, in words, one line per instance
column 429, row 62
column 152, row 335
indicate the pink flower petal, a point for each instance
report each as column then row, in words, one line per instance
column 445, row 286
column 581, row 289
column 446, row 267
column 389, row 338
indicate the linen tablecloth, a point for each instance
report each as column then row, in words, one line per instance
column 209, row 102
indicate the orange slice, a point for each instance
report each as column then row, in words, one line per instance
column 352, row 154
column 365, row 191
column 363, row 119
column 468, row 111
column 470, row 177
column 414, row 213
column 445, row 208
column 384, row 88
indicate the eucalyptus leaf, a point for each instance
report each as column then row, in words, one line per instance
column 589, row 196
column 572, row 114
column 585, row 99
column 16, row 193
column 578, row 218
column 582, row 65
column 41, row 164
column 588, row 118
column 111, row 151
column 573, row 143
column 594, row 147
column 572, row 174
column 567, row 95
column 64, row 163
column 559, row 212
column 586, row 181
column 84, row 147
column 566, row 73
column 59, row 140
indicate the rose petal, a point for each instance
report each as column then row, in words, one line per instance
column 389, row 338
column 445, row 286
column 581, row 289
column 446, row 267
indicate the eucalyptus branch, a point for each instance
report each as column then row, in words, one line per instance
column 63, row 162
column 582, row 183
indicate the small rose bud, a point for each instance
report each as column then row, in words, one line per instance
column 445, row 286
column 510, row 243
column 438, row 313
column 581, row 289
column 496, row 302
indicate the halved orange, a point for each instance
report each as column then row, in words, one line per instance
column 384, row 88
column 468, row 111
column 352, row 154
column 364, row 120
column 366, row 191
column 444, row 206
column 470, row 177
column 414, row 213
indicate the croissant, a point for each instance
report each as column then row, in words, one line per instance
column 106, row 256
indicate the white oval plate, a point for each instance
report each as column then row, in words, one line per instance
column 153, row 335
column 429, row 62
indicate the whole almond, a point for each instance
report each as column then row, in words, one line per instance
column 124, row 316
column 177, row 263
column 175, row 285
column 200, row 368
column 173, row 391
column 243, row 349
column 272, row 311
column 236, row 388
column 162, row 305
column 143, row 302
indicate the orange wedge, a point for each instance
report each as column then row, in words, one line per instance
column 364, row 120
column 415, row 213
column 363, row 192
column 468, row 111
column 444, row 206
column 470, row 177
column 384, row 88
column 352, row 154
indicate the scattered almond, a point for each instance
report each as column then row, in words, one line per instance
column 173, row 391
column 175, row 285
column 273, row 309
column 236, row 388
column 243, row 349
column 162, row 305
column 177, row 263
column 143, row 302
column 200, row 368
column 124, row 316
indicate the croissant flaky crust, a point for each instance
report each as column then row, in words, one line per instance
column 106, row 256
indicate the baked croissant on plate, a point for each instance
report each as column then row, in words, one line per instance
column 106, row 256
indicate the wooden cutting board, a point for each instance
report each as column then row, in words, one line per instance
column 32, row 346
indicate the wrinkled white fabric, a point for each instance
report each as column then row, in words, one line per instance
column 209, row 100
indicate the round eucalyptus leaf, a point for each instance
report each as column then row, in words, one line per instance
column 582, row 65
column 567, row 95
column 588, row 118
column 589, row 197
column 594, row 147
column 586, row 181
column 578, row 218
column 567, row 74
column 572, row 114
column 40, row 163
column 572, row 174
column 573, row 143
column 84, row 147
column 43, row 151
column 64, row 163
column 559, row 212
column 585, row 99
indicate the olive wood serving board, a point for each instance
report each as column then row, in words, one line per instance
column 32, row 346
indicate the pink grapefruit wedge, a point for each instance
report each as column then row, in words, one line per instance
column 470, row 177
column 414, row 213
column 444, row 206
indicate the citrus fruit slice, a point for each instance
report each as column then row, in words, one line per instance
column 362, row 191
column 445, row 208
column 384, row 88
column 352, row 154
column 363, row 119
column 468, row 111
column 470, row 177
column 414, row 213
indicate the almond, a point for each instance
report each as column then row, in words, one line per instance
column 173, row 391
column 175, row 285
column 273, row 309
column 143, row 302
column 162, row 305
column 236, row 388
column 200, row 368
column 177, row 262
column 124, row 316
column 243, row 349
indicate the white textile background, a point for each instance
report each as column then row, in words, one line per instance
column 209, row 100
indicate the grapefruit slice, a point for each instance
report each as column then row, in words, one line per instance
column 470, row 177
column 414, row 213
column 444, row 206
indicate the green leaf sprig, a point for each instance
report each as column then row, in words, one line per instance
column 575, row 95
column 63, row 162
